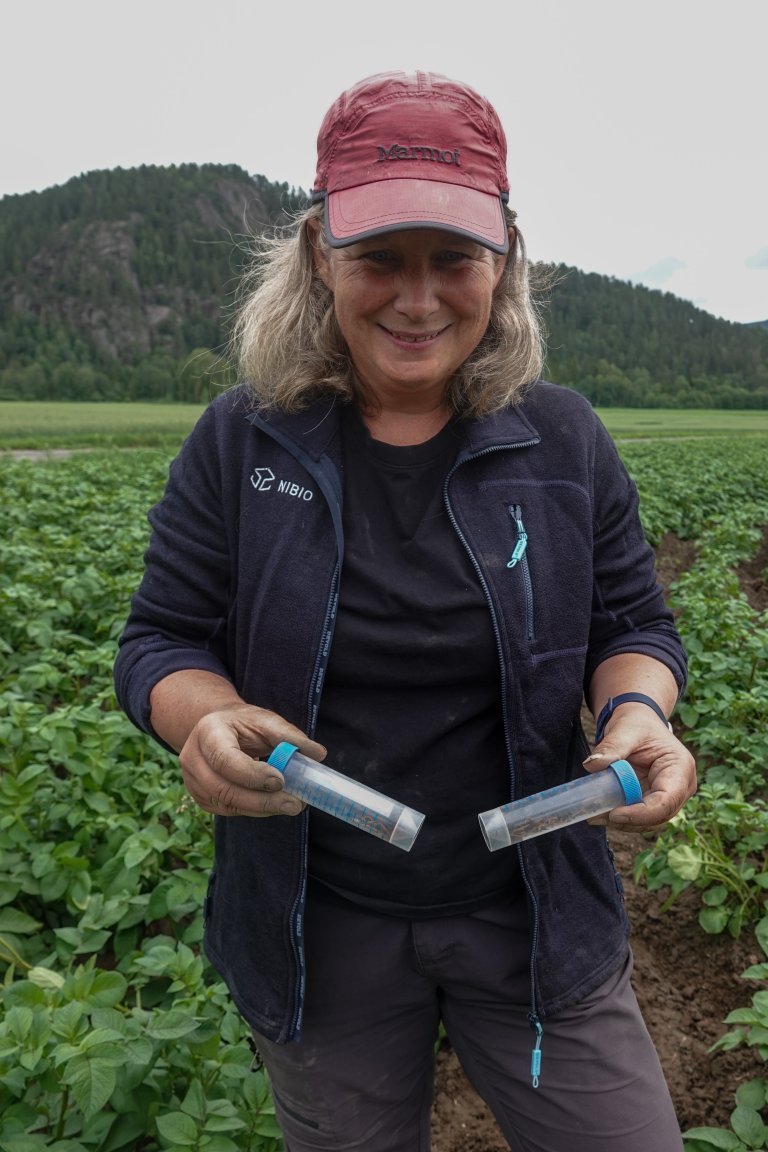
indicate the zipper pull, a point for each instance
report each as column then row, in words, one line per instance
column 522, row 537
column 519, row 552
column 536, row 1053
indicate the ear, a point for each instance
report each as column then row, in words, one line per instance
column 320, row 257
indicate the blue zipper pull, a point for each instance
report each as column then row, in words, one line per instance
column 522, row 538
column 536, row 1053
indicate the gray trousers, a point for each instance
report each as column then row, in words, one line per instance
column 362, row 1075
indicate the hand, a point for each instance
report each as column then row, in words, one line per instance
column 222, row 762
column 665, row 768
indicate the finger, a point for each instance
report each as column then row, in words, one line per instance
column 231, row 766
column 654, row 810
column 260, row 731
column 229, row 800
column 228, row 782
column 236, row 740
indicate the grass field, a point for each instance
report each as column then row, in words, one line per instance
column 80, row 425
column 657, row 422
column 75, row 425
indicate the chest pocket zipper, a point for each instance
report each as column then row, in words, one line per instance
column 519, row 559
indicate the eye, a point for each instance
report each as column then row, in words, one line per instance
column 451, row 256
column 378, row 256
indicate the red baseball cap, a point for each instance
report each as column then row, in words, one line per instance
column 412, row 150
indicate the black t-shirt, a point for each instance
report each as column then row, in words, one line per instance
column 411, row 702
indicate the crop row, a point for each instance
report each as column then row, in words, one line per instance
column 717, row 498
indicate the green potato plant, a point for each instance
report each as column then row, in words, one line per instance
column 748, row 1130
column 115, row 1033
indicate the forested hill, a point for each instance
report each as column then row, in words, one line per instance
column 626, row 345
column 120, row 284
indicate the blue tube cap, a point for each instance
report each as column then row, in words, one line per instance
column 630, row 785
column 281, row 754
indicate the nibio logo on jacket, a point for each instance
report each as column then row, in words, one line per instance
column 264, row 480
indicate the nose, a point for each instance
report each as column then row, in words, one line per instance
column 417, row 292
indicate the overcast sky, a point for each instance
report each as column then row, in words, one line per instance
column 637, row 131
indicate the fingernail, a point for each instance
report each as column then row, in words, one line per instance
column 595, row 756
column 290, row 806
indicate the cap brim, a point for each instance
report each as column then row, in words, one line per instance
column 370, row 210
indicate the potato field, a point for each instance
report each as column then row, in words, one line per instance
column 115, row 1033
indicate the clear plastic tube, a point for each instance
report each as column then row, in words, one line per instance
column 569, row 803
column 348, row 800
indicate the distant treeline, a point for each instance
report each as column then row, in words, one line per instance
column 629, row 346
column 119, row 285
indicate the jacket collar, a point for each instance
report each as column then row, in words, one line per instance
column 314, row 427
column 508, row 427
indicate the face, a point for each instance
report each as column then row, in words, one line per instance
column 411, row 306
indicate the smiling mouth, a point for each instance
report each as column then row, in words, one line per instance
column 414, row 337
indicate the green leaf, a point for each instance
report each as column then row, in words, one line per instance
column 224, row 1124
column 714, row 896
column 713, row 1138
column 19, row 1022
column 685, row 861
column 24, row 994
column 108, row 989
column 92, row 1082
column 743, row 1016
column 124, row 1133
column 194, row 1101
column 139, row 1050
column 171, row 1025
column 9, row 890
column 46, row 978
column 714, row 920
column 217, row 1143
column 99, row 1036
column 729, row 1041
column 177, row 1128
column 755, row 972
column 24, row 1143
column 688, row 714
column 65, row 1020
column 12, row 920
column 112, row 1018
column 752, row 1094
column 761, row 931
column 96, row 1130
column 267, row 1126
column 222, row 1108
column 82, row 942
column 748, row 1126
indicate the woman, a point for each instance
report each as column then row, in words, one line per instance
column 394, row 543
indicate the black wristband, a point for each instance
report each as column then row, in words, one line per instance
column 626, row 698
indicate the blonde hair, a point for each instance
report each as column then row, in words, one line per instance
column 290, row 350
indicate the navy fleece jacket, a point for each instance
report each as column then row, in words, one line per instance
column 241, row 579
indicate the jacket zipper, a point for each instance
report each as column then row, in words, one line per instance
column 520, row 556
column 313, row 708
column 533, row 1015
column 321, row 663
column 313, row 703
